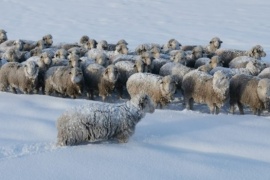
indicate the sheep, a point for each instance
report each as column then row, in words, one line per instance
column 160, row 89
column 196, row 53
column 265, row 73
column 157, row 64
column 64, row 80
column 90, row 44
column 11, row 44
column 48, row 40
column 78, row 51
column 112, row 47
column 156, row 53
column 176, row 70
column 16, row 76
column 101, row 79
column 29, row 45
column 212, row 63
column 97, row 122
column 3, row 36
column 142, row 48
column 246, row 90
column 72, row 61
column 203, row 88
column 240, row 61
column 84, row 39
column 201, row 61
column 61, row 54
column 102, row 45
column 126, row 69
column 252, row 68
column 172, row 44
column 44, row 62
column 227, row 56
column 178, row 56
column 213, row 45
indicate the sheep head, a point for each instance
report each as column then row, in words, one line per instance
column 168, row 87
column 256, row 52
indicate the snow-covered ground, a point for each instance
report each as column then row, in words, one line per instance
column 170, row 144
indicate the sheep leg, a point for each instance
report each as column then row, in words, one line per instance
column 240, row 107
column 13, row 90
column 189, row 103
column 123, row 137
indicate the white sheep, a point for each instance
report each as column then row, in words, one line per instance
column 3, row 36
column 227, row 56
column 102, row 121
column 14, row 44
column 48, row 40
column 101, row 79
column 240, row 61
column 212, row 63
column 265, row 73
column 64, row 80
column 102, row 45
column 172, row 44
column 160, row 89
column 203, row 88
column 176, row 70
column 252, row 68
column 112, row 47
column 126, row 69
column 246, row 90
column 16, row 76
column 213, row 45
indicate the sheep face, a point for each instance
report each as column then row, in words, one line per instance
column 168, row 87
column 41, row 44
column 255, row 67
column 263, row 91
column 61, row 53
column 46, row 58
column 173, row 44
column 76, row 75
column 35, row 52
column 11, row 55
column 179, row 57
column 102, row 45
column 31, row 69
column 3, row 35
column 90, row 44
column 215, row 61
column 147, row 58
column 74, row 60
column 215, row 42
column 155, row 51
column 18, row 44
column 101, row 59
column 84, row 39
column 221, row 83
column 257, row 52
column 121, row 49
column 111, row 73
column 197, row 52
column 47, row 40
column 139, row 66
column 144, row 102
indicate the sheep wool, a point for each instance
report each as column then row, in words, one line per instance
column 102, row 121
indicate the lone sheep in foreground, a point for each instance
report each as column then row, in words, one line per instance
column 102, row 121
column 203, row 88
column 250, row 91
column 160, row 89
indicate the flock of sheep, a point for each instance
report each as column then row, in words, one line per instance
column 151, row 75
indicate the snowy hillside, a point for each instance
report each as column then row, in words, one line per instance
column 172, row 143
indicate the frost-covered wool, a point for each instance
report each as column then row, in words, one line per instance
column 241, row 61
column 179, row 57
column 265, row 73
column 126, row 69
column 16, row 76
column 64, row 80
column 172, row 44
column 201, row 61
column 213, row 45
column 157, row 64
column 90, row 44
column 98, row 78
column 228, row 55
column 84, row 39
column 160, row 89
column 102, row 121
column 11, row 44
column 252, row 68
column 102, row 45
column 246, row 90
column 28, row 45
column 146, row 47
column 196, row 53
column 113, row 47
column 203, row 88
column 212, row 63
column 61, row 54
column 176, row 70
column 3, row 36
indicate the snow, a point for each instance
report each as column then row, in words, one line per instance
column 172, row 143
